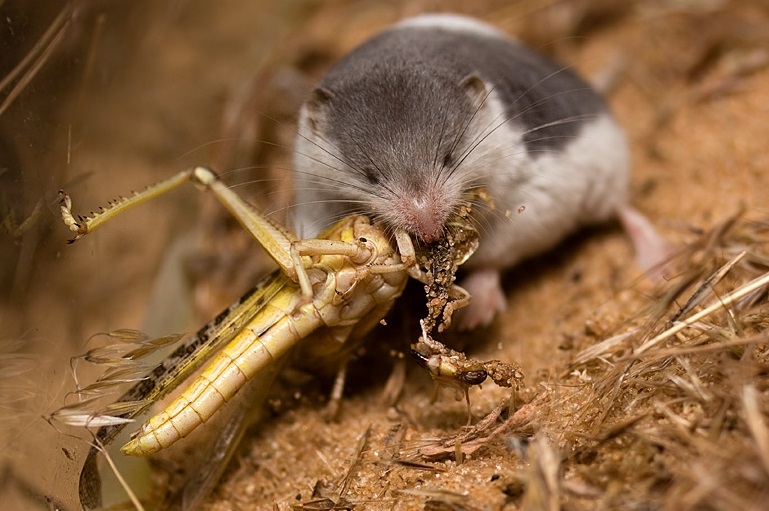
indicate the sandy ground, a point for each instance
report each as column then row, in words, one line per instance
column 136, row 92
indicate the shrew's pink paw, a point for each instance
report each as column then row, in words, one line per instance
column 652, row 251
column 487, row 300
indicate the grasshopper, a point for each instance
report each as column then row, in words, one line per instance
column 327, row 293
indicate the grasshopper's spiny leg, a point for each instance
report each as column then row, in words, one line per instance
column 275, row 239
column 83, row 225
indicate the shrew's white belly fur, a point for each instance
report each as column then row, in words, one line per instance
column 585, row 182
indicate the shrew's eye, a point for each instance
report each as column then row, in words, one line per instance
column 448, row 161
column 371, row 175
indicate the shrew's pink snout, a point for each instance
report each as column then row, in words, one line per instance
column 423, row 216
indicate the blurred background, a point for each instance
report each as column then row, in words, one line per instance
column 102, row 97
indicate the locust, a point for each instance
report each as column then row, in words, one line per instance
column 326, row 294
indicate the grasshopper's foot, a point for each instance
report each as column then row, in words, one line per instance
column 74, row 224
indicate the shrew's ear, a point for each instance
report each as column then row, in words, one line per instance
column 316, row 108
column 475, row 88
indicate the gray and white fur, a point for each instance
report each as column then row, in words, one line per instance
column 408, row 125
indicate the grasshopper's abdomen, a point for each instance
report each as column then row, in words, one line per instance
column 252, row 350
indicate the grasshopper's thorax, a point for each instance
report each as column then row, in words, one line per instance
column 361, row 298
column 353, row 276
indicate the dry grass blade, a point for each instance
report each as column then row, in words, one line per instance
column 543, row 491
column 440, row 500
column 356, row 458
column 13, row 365
column 35, row 59
column 745, row 290
column 78, row 415
column 604, row 347
column 701, row 292
column 484, row 432
column 756, row 424
column 691, row 388
column 118, row 376
column 123, row 361
column 17, row 388
column 760, row 338
column 121, row 480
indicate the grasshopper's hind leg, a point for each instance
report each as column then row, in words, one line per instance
column 82, row 225
column 275, row 239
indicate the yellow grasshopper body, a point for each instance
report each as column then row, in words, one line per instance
column 327, row 292
column 346, row 302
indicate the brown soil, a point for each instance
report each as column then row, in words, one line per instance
column 138, row 91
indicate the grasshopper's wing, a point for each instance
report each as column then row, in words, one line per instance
column 180, row 365
column 235, row 418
